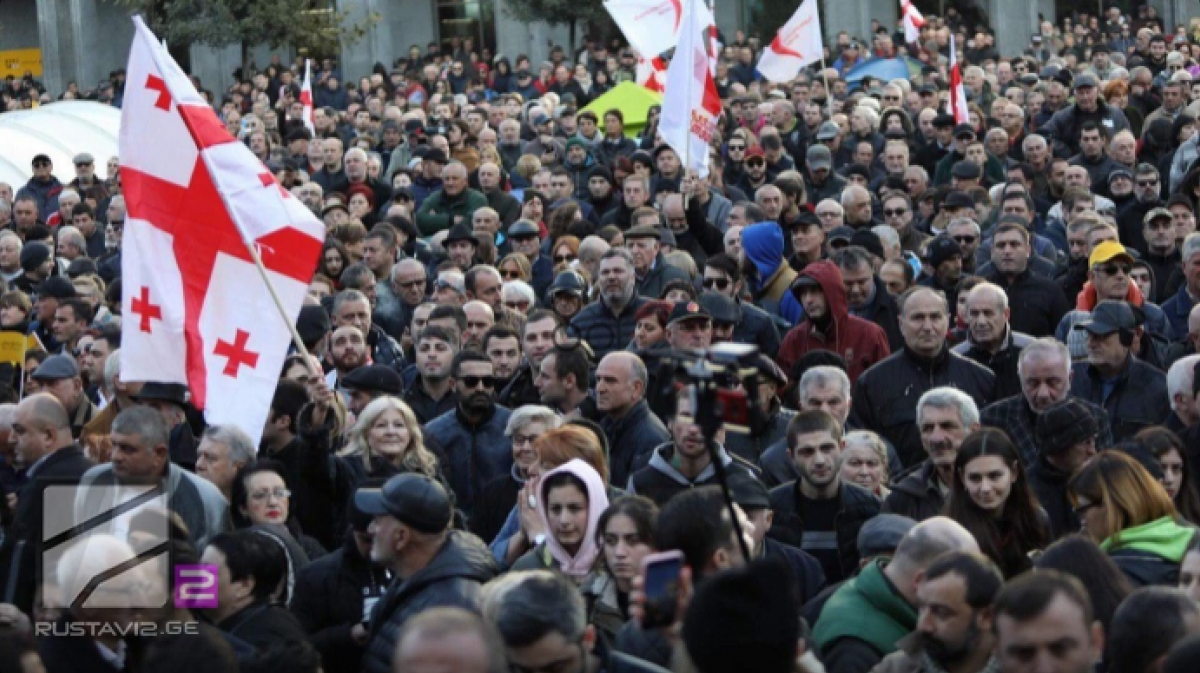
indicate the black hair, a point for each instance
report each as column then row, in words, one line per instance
column 1146, row 625
column 80, row 309
column 1029, row 595
column 725, row 264
column 449, row 311
column 574, row 361
column 1083, row 559
column 290, row 397
column 640, row 510
column 464, row 357
column 696, row 523
column 251, row 555
column 980, row 576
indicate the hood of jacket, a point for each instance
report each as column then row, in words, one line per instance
column 1162, row 537
column 763, row 244
column 826, row 273
column 579, row 564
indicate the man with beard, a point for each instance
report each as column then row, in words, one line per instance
column 538, row 341
column 502, row 345
column 820, row 512
column 432, row 393
column 607, row 325
column 563, row 383
column 954, row 619
column 347, row 352
column 472, row 435
column 351, row 307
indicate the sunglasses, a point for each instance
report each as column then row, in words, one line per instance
column 719, row 283
column 488, row 382
column 510, row 275
column 895, row 213
column 756, row 163
column 1114, row 269
column 737, row 148
column 1147, row 183
column 965, row 239
column 39, row 164
column 559, row 259
column 523, row 237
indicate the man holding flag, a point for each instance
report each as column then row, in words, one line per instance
column 692, row 106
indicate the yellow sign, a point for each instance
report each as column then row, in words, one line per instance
column 13, row 346
column 17, row 62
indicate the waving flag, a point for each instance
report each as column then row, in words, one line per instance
column 306, row 98
column 797, row 44
column 958, row 97
column 691, row 105
column 652, row 73
column 652, row 26
column 912, row 21
column 197, row 309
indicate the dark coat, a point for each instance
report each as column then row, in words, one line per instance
column 1037, row 303
column 328, row 602
column 263, row 625
column 858, row 505
column 885, row 397
column 1138, row 400
column 1003, row 363
column 632, row 440
column 915, row 494
column 62, row 652
column 756, row 327
column 453, row 578
column 19, row 553
column 882, row 311
column 476, row 454
column 1049, row 485
column 604, row 331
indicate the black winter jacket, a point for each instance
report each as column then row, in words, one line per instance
column 1137, row 401
column 452, row 579
column 885, row 396
column 328, row 601
column 1049, row 485
column 632, row 440
column 916, row 494
column 604, row 331
column 858, row 505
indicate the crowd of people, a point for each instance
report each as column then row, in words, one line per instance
column 969, row 444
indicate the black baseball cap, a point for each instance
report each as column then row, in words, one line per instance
column 414, row 499
column 1108, row 317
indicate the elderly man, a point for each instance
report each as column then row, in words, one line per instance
column 455, row 202
column 139, row 459
column 1132, row 392
column 48, row 455
column 59, row 375
column 652, row 272
column 223, row 450
column 1065, row 126
column 991, row 339
column 944, row 418
column 608, row 324
column 1180, row 305
column 505, row 205
column 885, row 396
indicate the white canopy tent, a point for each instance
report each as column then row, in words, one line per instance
column 61, row 131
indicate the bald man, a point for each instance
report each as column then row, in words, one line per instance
column 633, row 431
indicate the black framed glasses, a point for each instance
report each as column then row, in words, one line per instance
column 1114, row 269
column 965, row 239
column 895, row 213
column 1147, row 183
column 737, row 148
column 559, row 259
column 488, row 382
column 719, row 283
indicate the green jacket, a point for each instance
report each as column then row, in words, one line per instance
column 438, row 211
column 867, row 608
column 1150, row 554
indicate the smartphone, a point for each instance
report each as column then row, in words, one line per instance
column 661, row 572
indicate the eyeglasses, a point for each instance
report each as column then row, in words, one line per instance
column 895, row 213
column 40, row 164
column 965, row 239
column 737, row 148
column 753, row 163
column 471, row 382
column 1147, row 183
column 1081, row 509
column 559, row 259
column 278, row 494
column 719, row 283
column 1114, row 269
column 408, row 285
column 523, row 237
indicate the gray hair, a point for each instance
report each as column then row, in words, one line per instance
column 1033, row 140
column 946, row 397
column 241, row 447
column 531, row 413
column 852, row 192
column 345, row 297
column 112, row 369
column 71, row 236
column 965, row 222
column 88, row 559
column 886, row 233
column 621, row 252
column 1044, row 347
column 144, row 422
column 1191, row 245
column 995, row 290
column 8, row 415
column 593, row 247
column 1181, row 377
column 822, row 376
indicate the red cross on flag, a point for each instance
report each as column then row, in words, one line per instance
column 691, row 106
column 652, row 73
column 197, row 309
column 913, row 21
column 306, row 98
column 797, row 44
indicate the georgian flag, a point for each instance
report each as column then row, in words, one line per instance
column 958, row 96
column 306, row 98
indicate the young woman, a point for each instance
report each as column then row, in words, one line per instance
column 15, row 309
column 571, row 499
column 1131, row 516
column 651, row 325
column 1168, row 449
column 534, row 209
column 626, row 536
column 334, row 260
column 992, row 499
column 864, row 462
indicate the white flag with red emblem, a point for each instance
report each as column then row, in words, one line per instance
column 797, row 44
column 958, row 96
column 196, row 309
column 652, row 26
column 306, row 97
column 691, row 105
column 912, row 21
column 652, row 73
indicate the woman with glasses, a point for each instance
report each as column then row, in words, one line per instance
column 566, row 252
column 499, row 496
column 1129, row 513
column 515, row 266
column 991, row 498
column 262, row 501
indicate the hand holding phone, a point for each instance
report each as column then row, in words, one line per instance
column 661, row 582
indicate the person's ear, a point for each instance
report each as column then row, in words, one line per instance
column 985, row 617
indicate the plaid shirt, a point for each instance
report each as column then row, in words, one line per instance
column 1014, row 416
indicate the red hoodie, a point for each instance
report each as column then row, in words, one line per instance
column 859, row 342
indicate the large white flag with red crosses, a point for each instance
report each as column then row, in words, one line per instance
column 691, row 105
column 196, row 309
column 913, row 21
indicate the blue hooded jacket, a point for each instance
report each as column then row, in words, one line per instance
column 763, row 245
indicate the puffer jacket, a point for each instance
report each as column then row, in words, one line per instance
column 1137, row 400
column 632, row 440
column 858, row 505
column 860, row 343
column 476, row 454
column 602, row 330
column 1150, row 554
column 885, row 397
column 44, row 193
column 452, row 579
column 763, row 245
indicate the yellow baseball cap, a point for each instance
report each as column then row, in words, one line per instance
column 1108, row 251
